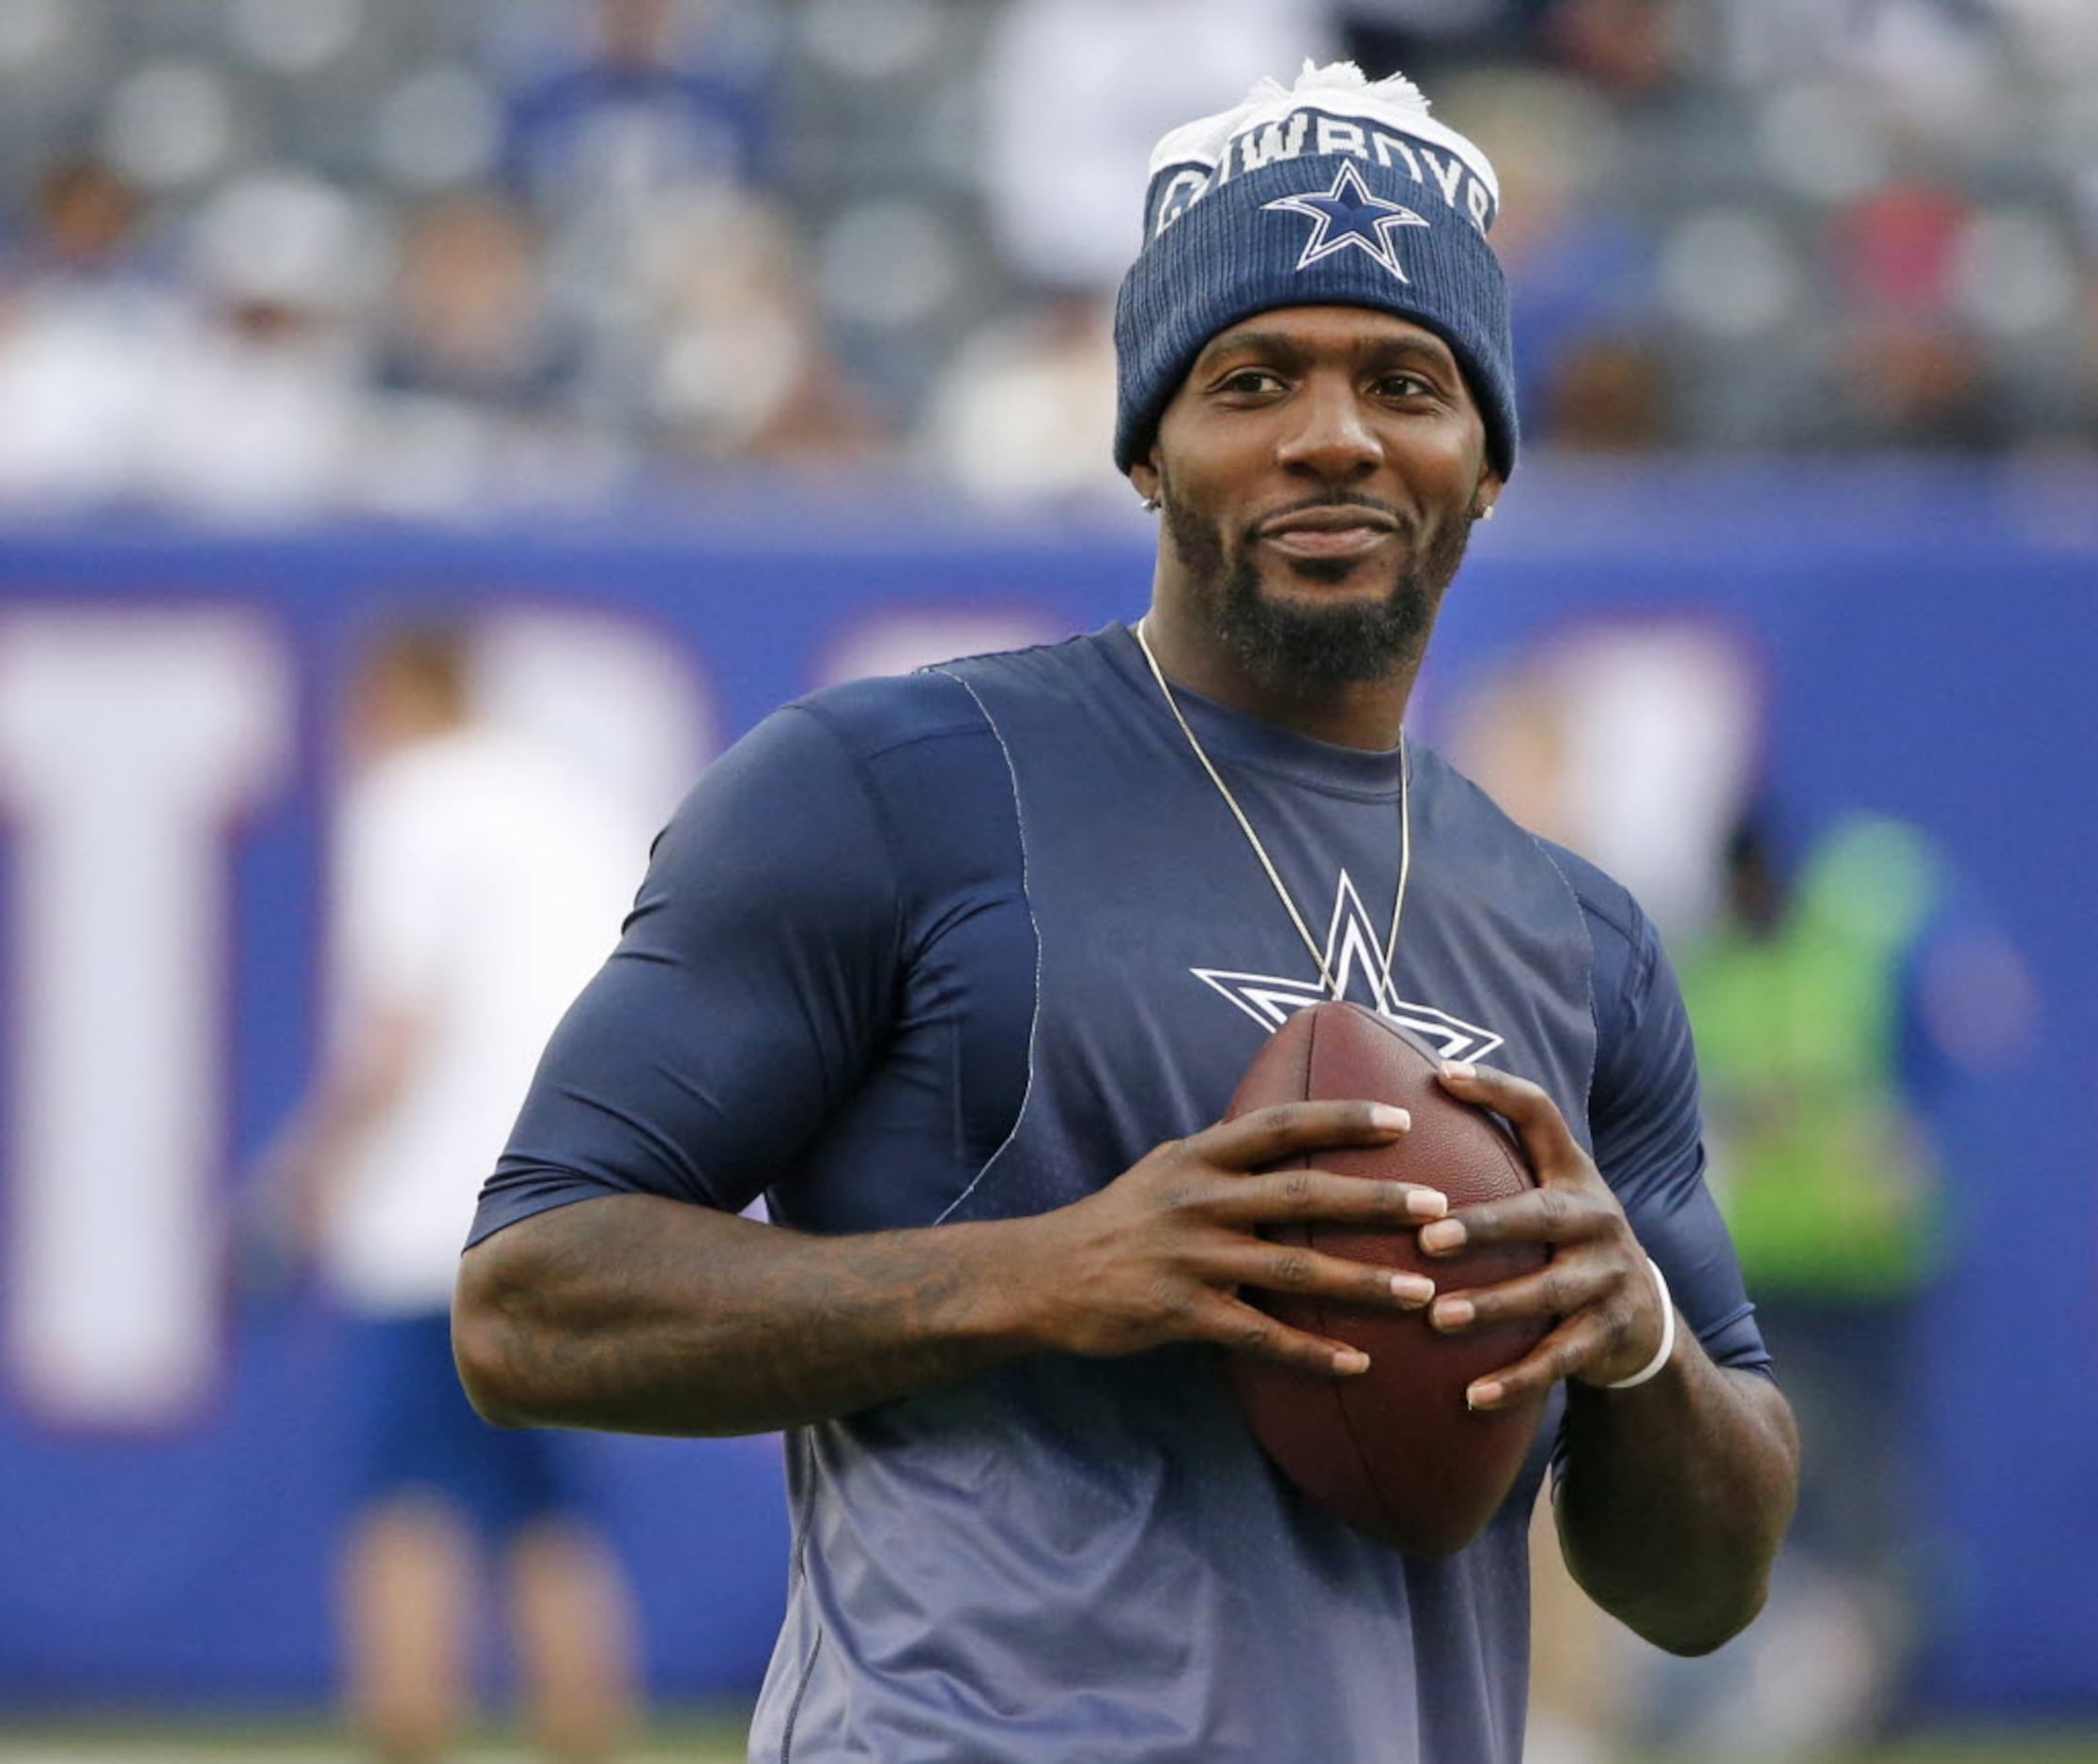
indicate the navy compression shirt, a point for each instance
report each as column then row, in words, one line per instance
column 965, row 945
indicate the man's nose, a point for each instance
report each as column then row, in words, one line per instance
column 1330, row 433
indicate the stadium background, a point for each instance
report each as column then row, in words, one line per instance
column 1809, row 363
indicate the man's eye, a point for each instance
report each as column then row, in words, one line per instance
column 1405, row 386
column 1250, row 380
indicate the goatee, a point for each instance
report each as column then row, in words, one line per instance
column 1297, row 647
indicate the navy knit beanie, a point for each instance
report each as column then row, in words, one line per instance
column 1337, row 192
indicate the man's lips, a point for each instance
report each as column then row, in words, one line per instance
column 1327, row 532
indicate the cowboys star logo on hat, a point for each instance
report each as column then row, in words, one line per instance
column 1348, row 214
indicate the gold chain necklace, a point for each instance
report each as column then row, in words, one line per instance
column 1260, row 851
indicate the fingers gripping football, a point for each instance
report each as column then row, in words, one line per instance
column 1159, row 1254
column 1606, row 1309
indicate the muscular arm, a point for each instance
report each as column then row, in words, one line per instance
column 645, row 1315
column 1675, row 1495
column 650, row 1315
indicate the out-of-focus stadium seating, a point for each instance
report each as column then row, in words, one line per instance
column 834, row 231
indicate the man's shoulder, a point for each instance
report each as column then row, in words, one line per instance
column 875, row 717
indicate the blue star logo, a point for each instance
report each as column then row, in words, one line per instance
column 1348, row 215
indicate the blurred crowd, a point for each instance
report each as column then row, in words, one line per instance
column 267, row 261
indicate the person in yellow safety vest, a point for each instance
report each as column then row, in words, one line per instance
column 1825, row 1174
column 1835, row 1009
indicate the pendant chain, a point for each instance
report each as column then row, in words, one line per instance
column 1260, row 851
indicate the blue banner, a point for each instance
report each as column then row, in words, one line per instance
column 1917, row 643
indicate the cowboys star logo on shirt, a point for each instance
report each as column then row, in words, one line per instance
column 1348, row 214
column 1355, row 959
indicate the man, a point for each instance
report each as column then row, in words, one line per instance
column 959, row 972
column 478, row 879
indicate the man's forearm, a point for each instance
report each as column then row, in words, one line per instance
column 1675, row 1498
column 648, row 1315
column 645, row 1315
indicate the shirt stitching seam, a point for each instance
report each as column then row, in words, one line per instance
column 1587, row 980
column 1026, row 896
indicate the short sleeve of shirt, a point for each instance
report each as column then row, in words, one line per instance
column 746, row 996
column 1645, row 1123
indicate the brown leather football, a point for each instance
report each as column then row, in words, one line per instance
column 1392, row 1452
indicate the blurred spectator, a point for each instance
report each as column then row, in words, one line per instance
column 87, row 316
column 1607, row 395
column 1076, row 92
column 255, row 416
column 646, row 110
column 1919, row 384
column 645, row 161
column 1025, row 412
column 1840, row 1005
column 1580, row 260
column 1911, row 371
column 239, row 398
column 738, row 364
column 1627, row 49
column 479, row 880
column 1893, row 250
column 476, row 380
column 84, row 228
column 469, row 318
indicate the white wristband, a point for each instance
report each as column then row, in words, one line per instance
column 1668, row 1335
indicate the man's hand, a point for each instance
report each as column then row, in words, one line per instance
column 651, row 1315
column 1159, row 1254
column 1597, row 1284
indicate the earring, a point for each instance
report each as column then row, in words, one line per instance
column 1153, row 504
column 1484, row 512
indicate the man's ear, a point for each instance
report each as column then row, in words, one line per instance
column 1144, row 476
column 1489, row 491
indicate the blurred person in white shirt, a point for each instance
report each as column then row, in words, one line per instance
column 478, row 875
column 255, row 416
column 88, row 314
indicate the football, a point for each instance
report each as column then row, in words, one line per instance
column 1394, row 1451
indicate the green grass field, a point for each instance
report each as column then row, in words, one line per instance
column 716, row 1738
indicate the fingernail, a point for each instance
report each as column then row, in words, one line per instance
column 1391, row 1120
column 1460, row 1069
column 1415, row 1289
column 1442, row 1234
column 1483, row 1395
column 1425, row 1204
column 1349, row 1361
column 1454, row 1313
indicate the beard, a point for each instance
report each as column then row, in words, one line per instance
column 1297, row 648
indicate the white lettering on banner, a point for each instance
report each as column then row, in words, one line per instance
column 132, row 740
column 620, row 696
column 131, row 744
